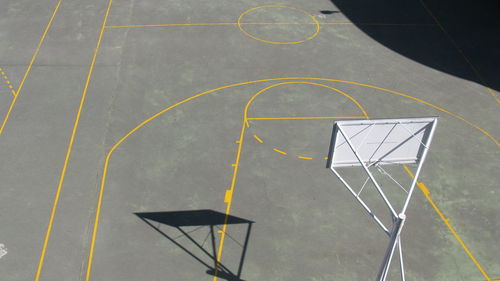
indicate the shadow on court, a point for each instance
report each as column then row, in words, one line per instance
column 472, row 30
column 207, row 247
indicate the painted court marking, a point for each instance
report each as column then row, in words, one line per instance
column 446, row 221
column 318, row 24
column 314, row 21
column 7, row 81
column 260, row 140
column 33, row 58
column 228, row 201
column 70, row 146
column 245, row 123
column 239, row 142
column 229, row 197
column 262, row 23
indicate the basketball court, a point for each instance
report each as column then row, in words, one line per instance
column 189, row 140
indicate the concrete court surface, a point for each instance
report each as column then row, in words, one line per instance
column 126, row 69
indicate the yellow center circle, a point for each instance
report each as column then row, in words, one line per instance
column 314, row 21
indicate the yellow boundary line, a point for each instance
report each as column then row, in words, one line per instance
column 143, row 123
column 262, row 23
column 70, row 146
column 7, row 81
column 446, row 221
column 33, row 58
column 455, row 44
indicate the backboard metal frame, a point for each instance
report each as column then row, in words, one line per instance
column 409, row 137
column 407, row 133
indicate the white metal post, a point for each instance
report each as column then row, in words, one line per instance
column 386, row 263
column 398, row 218
column 420, row 164
column 377, row 186
column 401, row 263
column 377, row 220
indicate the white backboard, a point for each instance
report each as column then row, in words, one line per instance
column 380, row 141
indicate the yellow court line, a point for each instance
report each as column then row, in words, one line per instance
column 246, row 124
column 302, row 82
column 314, row 21
column 305, row 157
column 262, row 23
column 280, row 151
column 170, row 24
column 96, row 221
column 455, row 44
column 230, row 198
column 70, row 146
column 306, row 118
column 6, row 118
column 163, row 111
column 257, row 138
column 302, row 118
column 7, row 81
column 446, row 221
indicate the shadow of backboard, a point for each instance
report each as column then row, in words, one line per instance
column 201, row 218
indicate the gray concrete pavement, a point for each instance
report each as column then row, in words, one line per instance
column 306, row 225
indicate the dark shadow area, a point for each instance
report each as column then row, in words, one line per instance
column 329, row 12
column 437, row 33
column 201, row 218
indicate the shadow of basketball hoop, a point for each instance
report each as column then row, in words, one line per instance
column 199, row 219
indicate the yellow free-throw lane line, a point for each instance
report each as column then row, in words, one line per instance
column 142, row 124
column 306, row 117
column 446, row 221
column 33, row 58
column 70, row 146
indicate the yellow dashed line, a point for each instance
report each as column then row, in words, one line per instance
column 301, row 118
column 7, row 81
column 32, row 61
column 258, row 139
column 279, row 151
column 305, row 157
